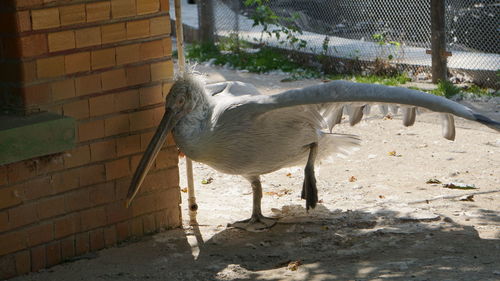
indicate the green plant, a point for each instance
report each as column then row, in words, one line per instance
column 446, row 89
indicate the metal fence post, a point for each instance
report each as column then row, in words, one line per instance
column 206, row 23
column 438, row 41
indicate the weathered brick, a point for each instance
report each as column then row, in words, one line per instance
column 92, row 175
column 23, row 262
column 117, row 169
column 50, row 67
column 65, row 181
column 110, row 238
column 51, row 207
column 116, row 125
column 101, row 105
column 23, row 20
column 36, row 94
column 117, row 212
column 159, row 26
column 88, row 84
column 161, row 219
column 91, row 130
column 11, row 196
column 142, row 120
column 128, row 145
column 113, row 79
column 148, row 223
column 82, row 244
column 77, row 62
column 122, row 231
column 45, row 18
column 138, row 74
column 137, row 29
column 96, row 239
column 128, row 54
column 77, row 200
column 102, row 193
column 53, row 252
column 77, row 156
column 20, row 171
column 12, row 242
column 64, row 89
column 93, row 218
column 7, row 267
column 77, row 109
column 22, row 215
column 126, row 100
column 68, row 248
column 151, row 95
column 38, row 258
column 147, row 6
column 123, row 8
column 60, row 41
column 136, row 228
column 67, row 225
column 112, row 33
column 29, row 46
column 103, row 58
column 162, row 70
column 103, row 150
column 39, row 234
column 151, row 50
column 38, row 188
column 98, row 11
column 73, row 14
column 144, row 204
column 88, row 37
column 174, row 217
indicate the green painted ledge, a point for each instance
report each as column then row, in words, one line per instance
column 26, row 137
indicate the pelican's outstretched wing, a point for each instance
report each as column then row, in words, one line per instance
column 333, row 96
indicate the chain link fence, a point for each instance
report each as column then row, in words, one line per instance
column 394, row 31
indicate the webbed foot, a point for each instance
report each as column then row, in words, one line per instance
column 256, row 223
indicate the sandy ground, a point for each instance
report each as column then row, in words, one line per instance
column 378, row 219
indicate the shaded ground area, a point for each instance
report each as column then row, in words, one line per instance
column 378, row 219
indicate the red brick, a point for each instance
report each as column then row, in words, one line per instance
column 136, row 228
column 38, row 188
column 39, row 234
column 122, row 231
column 45, row 18
column 91, row 130
column 64, row 89
column 174, row 217
column 161, row 219
column 4, row 221
column 128, row 54
column 164, row 5
column 23, row 20
column 22, row 215
column 151, row 50
column 110, row 238
column 26, row 46
column 98, row 11
column 134, row 162
column 50, row 67
column 92, row 175
column 122, row 186
column 67, row 180
column 113, row 79
column 150, row 95
column 117, row 169
column 96, row 240
column 26, row 3
column 103, row 58
column 112, row 33
column 3, row 175
column 36, row 94
column 117, row 212
column 126, row 100
column 142, row 120
column 28, row 71
column 51, row 207
column 88, row 84
column 159, row 180
column 67, row 225
column 50, row 163
column 20, row 171
column 73, row 14
column 93, row 218
column 82, row 243
column 11, row 196
column 167, row 47
column 23, row 262
column 68, row 248
column 60, row 41
column 162, row 70
column 88, row 37
column 103, row 150
column 128, row 145
column 77, row 157
column 149, row 223
column 77, row 62
column 169, row 198
column 53, row 251
column 102, row 193
column 123, row 8
column 77, row 200
column 166, row 158
column 137, row 29
column 78, row 109
column 38, row 260
column 146, row 139
column 12, row 242
column 116, row 125
column 101, row 105
column 160, row 26
column 147, row 6
column 166, row 89
column 138, row 74
column 144, row 204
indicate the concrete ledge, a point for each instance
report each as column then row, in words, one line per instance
column 26, row 137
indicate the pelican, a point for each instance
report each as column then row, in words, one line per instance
column 236, row 130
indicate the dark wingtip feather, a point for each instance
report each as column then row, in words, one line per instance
column 487, row 122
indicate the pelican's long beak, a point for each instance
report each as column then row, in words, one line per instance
column 150, row 154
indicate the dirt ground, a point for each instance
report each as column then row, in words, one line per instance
column 378, row 220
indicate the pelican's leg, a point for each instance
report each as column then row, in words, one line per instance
column 257, row 222
column 309, row 190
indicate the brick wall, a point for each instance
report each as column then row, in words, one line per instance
column 107, row 63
